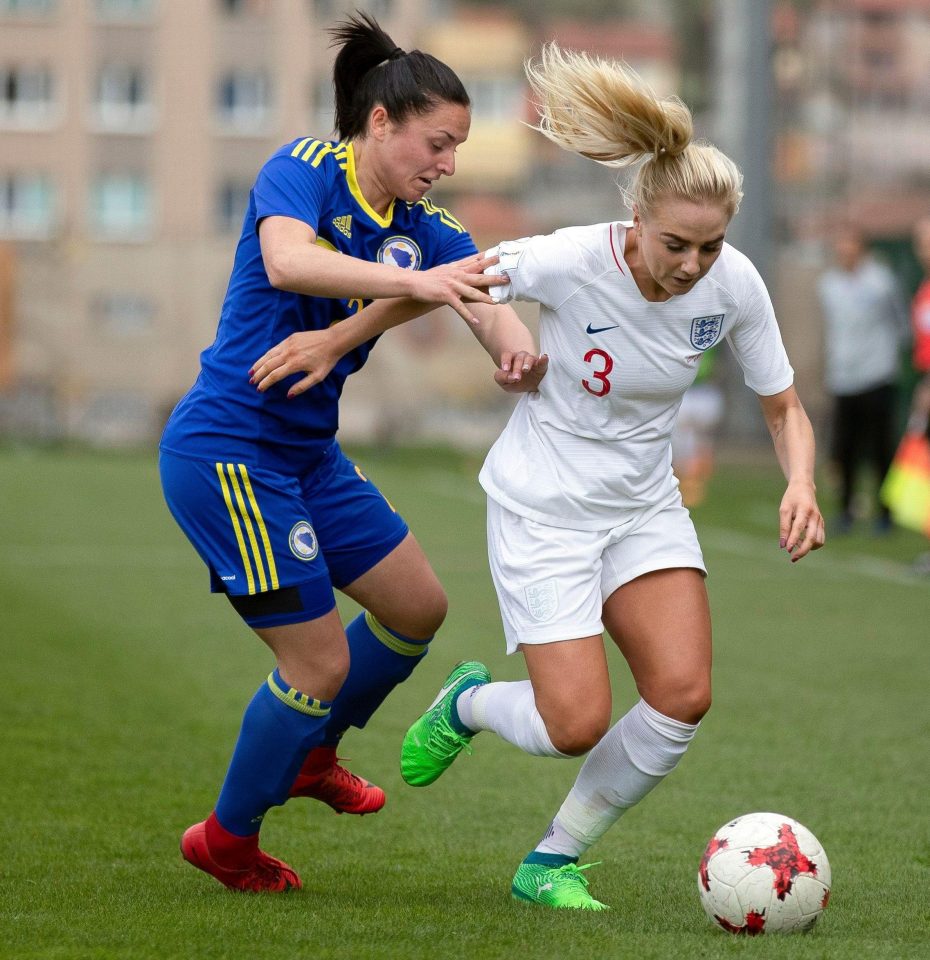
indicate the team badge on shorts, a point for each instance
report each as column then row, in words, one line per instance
column 705, row 331
column 303, row 542
column 542, row 600
column 400, row 252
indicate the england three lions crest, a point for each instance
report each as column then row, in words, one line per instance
column 705, row 331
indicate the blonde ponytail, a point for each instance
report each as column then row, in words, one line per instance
column 603, row 110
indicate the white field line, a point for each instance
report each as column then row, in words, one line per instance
column 821, row 564
column 454, row 487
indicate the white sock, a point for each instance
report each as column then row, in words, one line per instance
column 636, row 754
column 509, row 709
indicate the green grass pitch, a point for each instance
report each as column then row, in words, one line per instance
column 123, row 681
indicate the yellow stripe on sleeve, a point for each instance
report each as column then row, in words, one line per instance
column 318, row 159
column 296, row 151
column 314, row 146
column 262, row 529
column 441, row 212
column 246, row 563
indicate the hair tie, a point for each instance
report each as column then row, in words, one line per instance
column 397, row 53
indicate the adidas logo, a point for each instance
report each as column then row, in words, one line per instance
column 344, row 225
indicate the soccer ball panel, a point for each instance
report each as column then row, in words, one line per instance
column 764, row 873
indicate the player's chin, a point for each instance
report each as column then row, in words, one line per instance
column 418, row 190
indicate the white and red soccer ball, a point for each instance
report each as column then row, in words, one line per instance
column 764, row 873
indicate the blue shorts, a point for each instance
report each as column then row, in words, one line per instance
column 258, row 530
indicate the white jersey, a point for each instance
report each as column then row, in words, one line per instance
column 594, row 443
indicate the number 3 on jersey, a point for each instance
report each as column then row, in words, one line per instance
column 603, row 363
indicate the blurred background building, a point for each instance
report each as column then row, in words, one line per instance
column 131, row 131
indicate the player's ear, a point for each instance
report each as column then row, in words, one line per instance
column 378, row 122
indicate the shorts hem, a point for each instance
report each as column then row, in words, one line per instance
column 653, row 565
column 553, row 635
column 378, row 553
column 285, row 619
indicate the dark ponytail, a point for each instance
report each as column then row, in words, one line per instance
column 371, row 69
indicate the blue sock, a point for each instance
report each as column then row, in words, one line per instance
column 380, row 659
column 279, row 727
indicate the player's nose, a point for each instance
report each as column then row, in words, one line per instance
column 446, row 165
column 691, row 265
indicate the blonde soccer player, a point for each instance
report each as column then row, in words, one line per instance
column 586, row 528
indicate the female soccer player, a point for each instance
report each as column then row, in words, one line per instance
column 586, row 529
column 251, row 469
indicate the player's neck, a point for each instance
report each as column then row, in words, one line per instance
column 643, row 279
column 376, row 195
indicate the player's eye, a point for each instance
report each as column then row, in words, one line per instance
column 674, row 247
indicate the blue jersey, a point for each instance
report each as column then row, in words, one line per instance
column 223, row 416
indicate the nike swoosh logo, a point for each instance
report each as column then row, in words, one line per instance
column 593, row 329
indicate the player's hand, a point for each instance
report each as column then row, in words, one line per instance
column 309, row 351
column 458, row 283
column 521, row 372
column 801, row 527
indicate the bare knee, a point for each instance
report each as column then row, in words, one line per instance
column 313, row 657
column 686, row 700
column 576, row 735
column 319, row 674
column 421, row 617
column 431, row 614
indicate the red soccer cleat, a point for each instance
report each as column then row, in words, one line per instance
column 253, row 872
column 322, row 778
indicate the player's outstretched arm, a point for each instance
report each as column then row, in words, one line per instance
column 505, row 337
column 295, row 262
column 316, row 352
column 801, row 526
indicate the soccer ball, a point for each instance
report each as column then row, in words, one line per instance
column 764, row 873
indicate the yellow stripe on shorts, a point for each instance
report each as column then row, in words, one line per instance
column 243, row 550
column 262, row 529
column 247, row 522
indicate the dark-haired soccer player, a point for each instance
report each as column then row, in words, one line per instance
column 250, row 466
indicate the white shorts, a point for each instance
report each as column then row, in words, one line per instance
column 552, row 582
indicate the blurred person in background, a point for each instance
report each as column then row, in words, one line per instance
column 250, row 466
column 586, row 528
column 919, row 418
column 865, row 329
column 695, row 432
column 920, row 324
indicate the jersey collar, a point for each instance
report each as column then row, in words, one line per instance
column 356, row 192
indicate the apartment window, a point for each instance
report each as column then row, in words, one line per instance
column 243, row 100
column 124, row 10
column 25, row 95
column 123, row 314
column 232, row 203
column 495, row 98
column 121, row 206
column 325, row 10
column 235, row 8
column 27, row 8
column 122, row 98
column 27, row 206
column 324, row 108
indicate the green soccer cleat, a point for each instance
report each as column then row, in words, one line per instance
column 561, row 888
column 432, row 743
